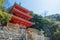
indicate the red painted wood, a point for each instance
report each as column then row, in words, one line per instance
column 20, row 8
column 20, row 14
column 18, row 20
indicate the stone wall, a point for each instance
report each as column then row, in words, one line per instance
column 12, row 31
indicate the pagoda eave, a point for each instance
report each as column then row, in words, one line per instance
column 18, row 20
column 20, row 8
column 20, row 14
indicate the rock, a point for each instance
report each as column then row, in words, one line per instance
column 33, row 34
column 12, row 30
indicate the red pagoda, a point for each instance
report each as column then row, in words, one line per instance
column 21, row 16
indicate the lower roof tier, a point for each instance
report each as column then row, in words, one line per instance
column 18, row 20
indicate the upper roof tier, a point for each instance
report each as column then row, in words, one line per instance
column 20, row 8
column 18, row 13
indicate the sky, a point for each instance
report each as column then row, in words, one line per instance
column 43, row 7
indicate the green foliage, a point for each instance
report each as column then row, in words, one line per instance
column 57, row 22
column 3, row 8
column 48, row 25
column 56, row 35
column 39, row 21
column 4, row 17
column 1, row 2
column 54, row 17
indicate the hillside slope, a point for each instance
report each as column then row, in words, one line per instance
column 54, row 16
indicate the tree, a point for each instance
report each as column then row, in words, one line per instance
column 1, row 2
column 39, row 21
column 48, row 25
column 56, row 35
